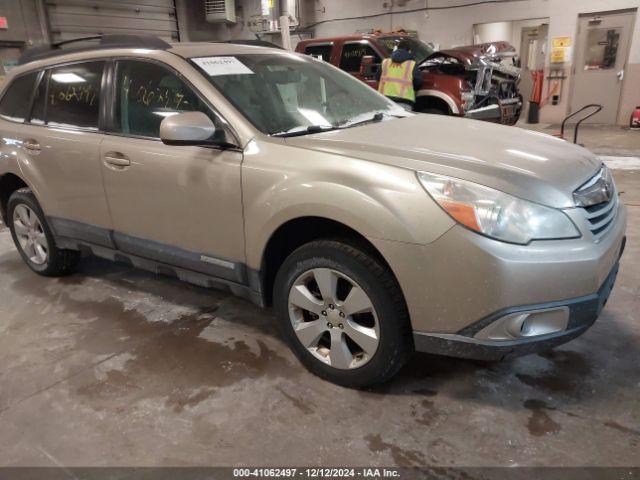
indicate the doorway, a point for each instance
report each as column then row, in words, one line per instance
column 533, row 44
column 602, row 48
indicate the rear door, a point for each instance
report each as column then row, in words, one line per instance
column 59, row 144
column 180, row 205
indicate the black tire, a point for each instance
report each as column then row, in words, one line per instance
column 434, row 111
column 59, row 262
column 395, row 339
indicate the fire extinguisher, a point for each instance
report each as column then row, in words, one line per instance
column 634, row 124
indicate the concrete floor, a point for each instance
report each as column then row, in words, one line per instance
column 600, row 139
column 113, row 366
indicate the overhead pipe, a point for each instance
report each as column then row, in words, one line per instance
column 285, row 33
column 288, row 17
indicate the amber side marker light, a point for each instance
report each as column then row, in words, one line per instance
column 462, row 213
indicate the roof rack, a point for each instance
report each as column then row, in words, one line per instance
column 105, row 41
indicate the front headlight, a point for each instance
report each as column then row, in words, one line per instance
column 497, row 214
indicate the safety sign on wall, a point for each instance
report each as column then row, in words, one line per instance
column 560, row 49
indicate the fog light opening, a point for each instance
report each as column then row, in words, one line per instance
column 528, row 328
column 524, row 325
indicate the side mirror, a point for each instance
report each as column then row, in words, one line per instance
column 189, row 128
column 368, row 67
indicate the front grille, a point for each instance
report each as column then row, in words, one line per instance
column 601, row 217
column 598, row 199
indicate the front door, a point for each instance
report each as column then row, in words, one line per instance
column 351, row 60
column 600, row 61
column 179, row 205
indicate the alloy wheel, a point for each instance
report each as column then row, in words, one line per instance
column 334, row 318
column 30, row 234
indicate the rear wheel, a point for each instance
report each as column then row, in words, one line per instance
column 343, row 313
column 34, row 239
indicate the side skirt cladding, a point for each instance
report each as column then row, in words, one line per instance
column 197, row 268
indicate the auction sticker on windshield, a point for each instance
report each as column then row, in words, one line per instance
column 215, row 66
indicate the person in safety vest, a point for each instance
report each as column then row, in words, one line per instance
column 400, row 77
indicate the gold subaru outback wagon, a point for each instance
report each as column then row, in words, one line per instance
column 373, row 232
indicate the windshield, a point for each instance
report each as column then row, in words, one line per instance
column 287, row 93
column 419, row 49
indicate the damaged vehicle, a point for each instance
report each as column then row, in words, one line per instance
column 476, row 81
column 488, row 76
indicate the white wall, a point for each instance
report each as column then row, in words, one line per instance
column 195, row 28
column 454, row 27
column 493, row 32
column 505, row 31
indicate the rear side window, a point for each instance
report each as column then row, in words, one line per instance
column 39, row 101
column 73, row 99
column 319, row 51
column 146, row 93
column 352, row 54
column 16, row 100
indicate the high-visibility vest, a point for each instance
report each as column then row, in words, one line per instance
column 396, row 80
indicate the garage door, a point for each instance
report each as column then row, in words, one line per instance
column 78, row 18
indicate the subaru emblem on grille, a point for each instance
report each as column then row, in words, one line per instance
column 599, row 189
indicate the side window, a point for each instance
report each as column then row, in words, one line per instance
column 319, row 51
column 74, row 95
column 40, row 101
column 352, row 54
column 146, row 94
column 16, row 100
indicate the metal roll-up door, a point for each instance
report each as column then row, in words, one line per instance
column 78, row 18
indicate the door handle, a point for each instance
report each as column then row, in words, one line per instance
column 116, row 159
column 31, row 146
column 620, row 75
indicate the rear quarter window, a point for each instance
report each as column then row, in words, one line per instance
column 16, row 101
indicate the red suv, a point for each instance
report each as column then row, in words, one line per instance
column 477, row 81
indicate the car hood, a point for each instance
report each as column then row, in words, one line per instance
column 469, row 53
column 529, row 165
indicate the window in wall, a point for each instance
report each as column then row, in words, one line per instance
column 602, row 48
column 319, row 51
column 16, row 100
column 147, row 93
column 74, row 95
column 352, row 54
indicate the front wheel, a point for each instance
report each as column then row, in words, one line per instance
column 343, row 313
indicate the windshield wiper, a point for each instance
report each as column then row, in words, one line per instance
column 306, row 131
column 377, row 117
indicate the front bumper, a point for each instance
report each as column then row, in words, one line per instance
column 506, row 111
column 462, row 283
column 583, row 312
